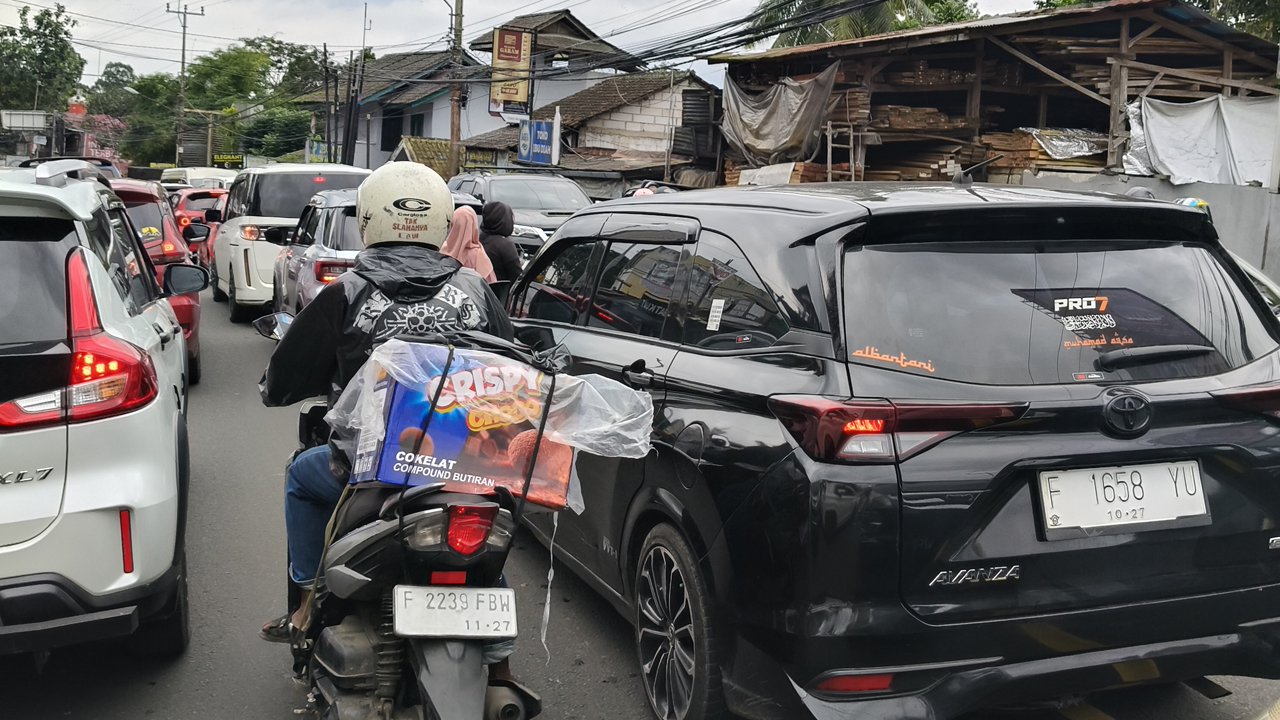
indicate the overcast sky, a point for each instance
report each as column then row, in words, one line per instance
column 142, row 34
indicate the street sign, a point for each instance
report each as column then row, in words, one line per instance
column 535, row 141
column 512, row 56
column 229, row 161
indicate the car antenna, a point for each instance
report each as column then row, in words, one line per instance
column 965, row 176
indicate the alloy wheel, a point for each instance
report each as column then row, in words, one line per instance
column 665, row 635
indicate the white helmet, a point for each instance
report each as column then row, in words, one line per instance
column 404, row 202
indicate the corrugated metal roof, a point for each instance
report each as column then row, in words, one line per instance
column 1175, row 10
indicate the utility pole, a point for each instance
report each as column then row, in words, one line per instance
column 455, row 95
column 182, row 76
column 328, row 110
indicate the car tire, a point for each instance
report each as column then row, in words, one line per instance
column 218, row 295
column 193, row 369
column 674, row 622
column 239, row 313
column 168, row 635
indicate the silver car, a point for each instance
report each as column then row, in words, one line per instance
column 322, row 246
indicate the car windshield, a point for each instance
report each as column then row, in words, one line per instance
column 148, row 219
column 33, row 256
column 286, row 194
column 200, row 202
column 1015, row 313
column 349, row 232
column 555, row 196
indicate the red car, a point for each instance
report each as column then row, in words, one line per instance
column 154, row 220
column 189, row 206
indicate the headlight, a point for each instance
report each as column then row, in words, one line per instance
column 529, row 231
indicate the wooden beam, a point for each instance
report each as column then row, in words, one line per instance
column 1228, row 62
column 1197, row 77
column 973, row 108
column 1170, row 25
column 1119, row 96
column 1046, row 70
column 1042, row 113
column 1151, row 85
column 1144, row 34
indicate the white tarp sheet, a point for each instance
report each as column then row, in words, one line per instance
column 1217, row 140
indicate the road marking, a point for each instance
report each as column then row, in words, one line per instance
column 1084, row 711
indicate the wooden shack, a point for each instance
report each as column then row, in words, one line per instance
column 917, row 104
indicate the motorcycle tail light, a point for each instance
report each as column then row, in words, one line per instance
column 469, row 526
column 449, row 577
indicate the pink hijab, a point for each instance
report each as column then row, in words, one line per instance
column 463, row 243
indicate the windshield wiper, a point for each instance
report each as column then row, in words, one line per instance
column 1125, row 357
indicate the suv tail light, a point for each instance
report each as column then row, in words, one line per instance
column 183, row 220
column 328, row 270
column 880, row 430
column 1264, row 399
column 469, row 526
column 108, row 375
column 169, row 252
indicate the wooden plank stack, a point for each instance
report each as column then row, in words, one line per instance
column 853, row 106
column 1020, row 149
column 927, row 163
column 904, row 117
column 802, row 172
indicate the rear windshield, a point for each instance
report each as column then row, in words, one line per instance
column 286, row 194
column 544, row 195
column 200, row 202
column 148, row 219
column 349, row 231
column 33, row 273
column 1014, row 313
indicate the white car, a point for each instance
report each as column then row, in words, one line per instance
column 263, row 198
column 93, row 440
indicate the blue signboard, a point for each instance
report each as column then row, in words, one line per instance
column 535, row 141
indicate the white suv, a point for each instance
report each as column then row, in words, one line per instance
column 260, row 199
column 93, row 440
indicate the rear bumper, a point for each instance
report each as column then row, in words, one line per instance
column 948, row 671
column 43, row 612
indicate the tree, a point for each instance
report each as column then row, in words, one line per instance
column 150, row 135
column 873, row 20
column 230, row 75
column 295, row 69
column 1259, row 17
column 108, row 95
column 38, row 53
column 277, row 132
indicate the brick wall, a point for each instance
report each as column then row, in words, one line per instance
column 642, row 126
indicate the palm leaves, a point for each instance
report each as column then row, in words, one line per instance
column 879, row 18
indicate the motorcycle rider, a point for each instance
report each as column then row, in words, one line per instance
column 400, row 284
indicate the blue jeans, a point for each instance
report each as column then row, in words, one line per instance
column 311, row 493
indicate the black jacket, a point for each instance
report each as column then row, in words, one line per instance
column 393, row 290
column 498, row 224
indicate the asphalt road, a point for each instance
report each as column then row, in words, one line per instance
column 236, row 557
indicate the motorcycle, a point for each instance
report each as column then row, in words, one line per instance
column 410, row 592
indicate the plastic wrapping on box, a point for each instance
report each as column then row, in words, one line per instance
column 484, row 428
column 1137, row 161
column 1067, row 143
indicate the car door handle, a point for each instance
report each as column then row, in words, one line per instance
column 638, row 378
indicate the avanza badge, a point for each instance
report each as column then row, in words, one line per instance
column 998, row 573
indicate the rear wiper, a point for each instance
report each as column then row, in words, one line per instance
column 1151, row 354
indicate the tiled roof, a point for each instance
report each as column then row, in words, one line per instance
column 605, row 96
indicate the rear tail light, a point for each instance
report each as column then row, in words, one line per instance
column 469, row 526
column 842, row 684
column 880, row 430
column 328, row 270
column 183, row 220
column 250, row 232
column 170, row 252
column 108, row 375
column 449, row 577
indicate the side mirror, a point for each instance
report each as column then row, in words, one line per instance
column 273, row 326
column 195, row 232
column 212, row 215
column 277, row 235
column 184, row 279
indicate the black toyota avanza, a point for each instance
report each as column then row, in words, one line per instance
column 920, row 449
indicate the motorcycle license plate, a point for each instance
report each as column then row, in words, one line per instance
column 1134, row 498
column 454, row 612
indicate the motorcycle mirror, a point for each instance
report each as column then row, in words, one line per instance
column 273, row 326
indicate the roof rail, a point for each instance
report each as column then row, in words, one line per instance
column 56, row 172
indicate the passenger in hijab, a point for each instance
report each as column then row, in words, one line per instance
column 498, row 224
column 463, row 243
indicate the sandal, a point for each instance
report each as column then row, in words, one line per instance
column 279, row 630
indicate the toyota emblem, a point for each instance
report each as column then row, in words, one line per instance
column 1127, row 414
